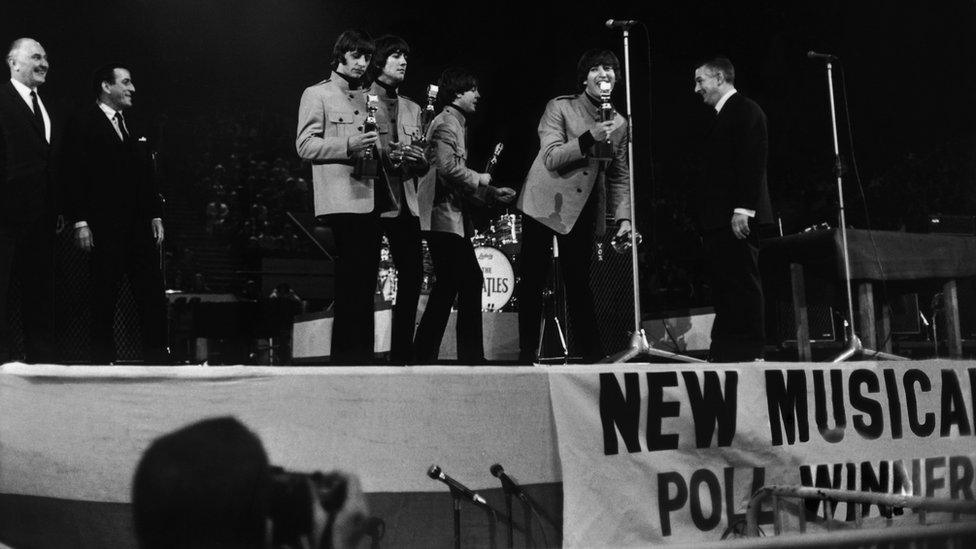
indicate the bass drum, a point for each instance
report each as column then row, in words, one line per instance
column 498, row 284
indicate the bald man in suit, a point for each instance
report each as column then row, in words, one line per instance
column 28, row 138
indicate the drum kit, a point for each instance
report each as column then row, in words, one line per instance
column 497, row 252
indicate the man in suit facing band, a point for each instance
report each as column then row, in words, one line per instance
column 331, row 137
column 398, row 118
column 117, row 212
column 565, row 195
column 732, row 200
column 28, row 138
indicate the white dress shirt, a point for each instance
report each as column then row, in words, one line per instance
column 718, row 109
column 25, row 92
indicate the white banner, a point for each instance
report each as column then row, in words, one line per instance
column 665, row 454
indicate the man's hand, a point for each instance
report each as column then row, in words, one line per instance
column 157, row 227
column 601, row 130
column 484, row 179
column 84, row 239
column 362, row 141
column 740, row 225
column 413, row 155
column 503, row 194
column 623, row 227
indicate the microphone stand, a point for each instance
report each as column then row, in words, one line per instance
column 639, row 347
column 511, row 529
column 456, row 496
column 854, row 349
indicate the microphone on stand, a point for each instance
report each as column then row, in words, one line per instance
column 498, row 472
column 620, row 23
column 822, row 56
column 435, row 473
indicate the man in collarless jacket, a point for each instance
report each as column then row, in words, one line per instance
column 331, row 137
column 117, row 212
column 398, row 118
column 733, row 200
column 566, row 194
column 29, row 138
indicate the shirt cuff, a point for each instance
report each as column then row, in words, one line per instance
column 160, row 219
column 80, row 224
column 745, row 212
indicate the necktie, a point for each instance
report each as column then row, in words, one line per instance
column 121, row 122
column 38, row 115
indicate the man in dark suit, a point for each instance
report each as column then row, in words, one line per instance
column 117, row 212
column 732, row 200
column 27, row 205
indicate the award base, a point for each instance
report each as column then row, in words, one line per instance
column 602, row 150
column 366, row 169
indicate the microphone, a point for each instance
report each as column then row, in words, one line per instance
column 435, row 473
column 824, row 56
column 498, row 472
column 620, row 23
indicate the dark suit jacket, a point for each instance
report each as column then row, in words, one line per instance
column 109, row 182
column 735, row 152
column 27, row 189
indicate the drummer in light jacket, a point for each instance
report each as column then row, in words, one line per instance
column 565, row 195
column 449, row 189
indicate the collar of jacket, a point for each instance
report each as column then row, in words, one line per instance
column 390, row 92
column 458, row 113
column 346, row 83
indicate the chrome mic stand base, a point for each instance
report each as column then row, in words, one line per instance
column 855, row 350
column 639, row 347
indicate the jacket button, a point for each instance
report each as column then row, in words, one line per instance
column 356, row 112
column 586, row 173
column 351, row 96
column 340, row 119
column 579, row 190
column 360, row 128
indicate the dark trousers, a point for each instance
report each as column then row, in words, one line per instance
column 457, row 275
column 732, row 268
column 535, row 260
column 357, row 238
column 26, row 252
column 130, row 250
column 403, row 232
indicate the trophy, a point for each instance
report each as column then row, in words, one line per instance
column 603, row 150
column 621, row 243
column 426, row 118
column 367, row 166
column 490, row 166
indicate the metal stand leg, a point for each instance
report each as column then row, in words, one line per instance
column 549, row 310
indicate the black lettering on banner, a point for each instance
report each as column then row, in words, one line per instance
column 901, row 483
column 620, row 412
column 787, row 403
column 894, row 402
column 666, row 503
column 851, row 470
column 953, row 406
column 712, row 407
column 874, row 481
column 960, row 478
column 867, row 405
column 934, row 481
column 658, row 409
column 924, row 427
column 837, row 403
column 707, row 478
column 823, row 479
column 972, row 392
column 758, row 481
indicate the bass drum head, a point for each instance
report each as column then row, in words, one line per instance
column 498, row 278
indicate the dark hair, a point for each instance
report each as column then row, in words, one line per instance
column 351, row 40
column 105, row 73
column 385, row 47
column 454, row 81
column 722, row 65
column 202, row 486
column 595, row 58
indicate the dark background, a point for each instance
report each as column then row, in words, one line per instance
column 909, row 70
